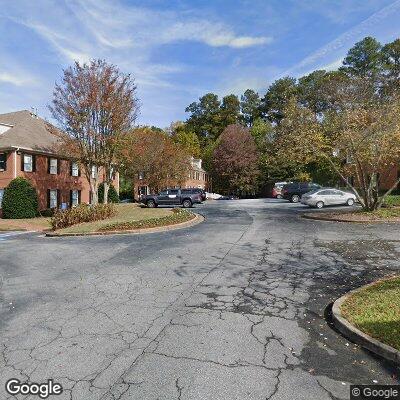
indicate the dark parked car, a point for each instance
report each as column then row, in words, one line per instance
column 172, row 197
column 202, row 192
column 294, row 191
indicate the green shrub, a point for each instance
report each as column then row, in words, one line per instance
column 48, row 212
column 112, row 194
column 178, row 216
column 20, row 200
column 392, row 201
column 82, row 213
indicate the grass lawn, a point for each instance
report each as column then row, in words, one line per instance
column 375, row 310
column 125, row 213
column 383, row 213
column 29, row 224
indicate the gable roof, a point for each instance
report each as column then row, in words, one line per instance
column 27, row 131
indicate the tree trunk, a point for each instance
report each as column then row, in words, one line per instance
column 106, row 188
column 94, row 187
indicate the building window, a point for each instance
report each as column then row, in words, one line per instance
column 27, row 163
column 1, row 196
column 74, row 169
column 3, row 161
column 53, row 195
column 53, row 166
column 141, row 175
column 74, row 198
column 94, row 172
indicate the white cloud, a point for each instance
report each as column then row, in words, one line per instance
column 7, row 77
column 212, row 34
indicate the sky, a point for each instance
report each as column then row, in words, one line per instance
column 179, row 50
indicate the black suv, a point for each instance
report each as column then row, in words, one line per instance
column 294, row 191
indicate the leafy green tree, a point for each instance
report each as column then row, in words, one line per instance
column 230, row 110
column 391, row 68
column 20, row 200
column 364, row 59
column 277, row 97
column 205, row 117
column 113, row 196
column 250, row 106
column 185, row 138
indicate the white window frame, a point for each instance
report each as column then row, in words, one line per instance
column 75, row 169
column 94, row 171
column 74, row 198
column 28, row 165
column 53, row 166
column 51, row 200
column 1, row 196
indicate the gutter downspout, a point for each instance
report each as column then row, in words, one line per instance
column 15, row 162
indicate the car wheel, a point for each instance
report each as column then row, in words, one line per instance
column 350, row 202
column 320, row 204
column 150, row 203
column 279, row 196
column 295, row 198
column 187, row 203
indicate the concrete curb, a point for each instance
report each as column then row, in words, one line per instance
column 330, row 219
column 192, row 222
column 359, row 337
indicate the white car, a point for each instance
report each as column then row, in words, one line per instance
column 328, row 197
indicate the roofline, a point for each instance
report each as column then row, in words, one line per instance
column 30, row 150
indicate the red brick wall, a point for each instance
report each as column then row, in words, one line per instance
column 43, row 181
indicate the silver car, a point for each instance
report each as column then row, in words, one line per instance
column 328, row 197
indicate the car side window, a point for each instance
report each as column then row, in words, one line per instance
column 338, row 193
column 164, row 193
column 173, row 191
column 324, row 193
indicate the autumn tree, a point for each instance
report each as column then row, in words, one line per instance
column 154, row 157
column 360, row 139
column 235, row 160
column 94, row 104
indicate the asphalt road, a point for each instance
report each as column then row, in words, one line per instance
column 234, row 308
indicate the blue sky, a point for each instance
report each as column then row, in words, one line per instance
column 178, row 50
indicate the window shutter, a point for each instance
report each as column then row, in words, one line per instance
column 33, row 162
column 58, row 166
column 58, row 198
column 70, row 168
column 70, row 198
column 79, row 170
column 79, row 196
column 22, row 161
column 48, row 198
column 48, row 165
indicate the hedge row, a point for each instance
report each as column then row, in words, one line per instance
column 82, row 213
column 178, row 216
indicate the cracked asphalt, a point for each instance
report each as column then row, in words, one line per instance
column 234, row 308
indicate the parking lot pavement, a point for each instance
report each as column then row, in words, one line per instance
column 234, row 308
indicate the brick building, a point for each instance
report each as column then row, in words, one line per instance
column 197, row 178
column 27, row 150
